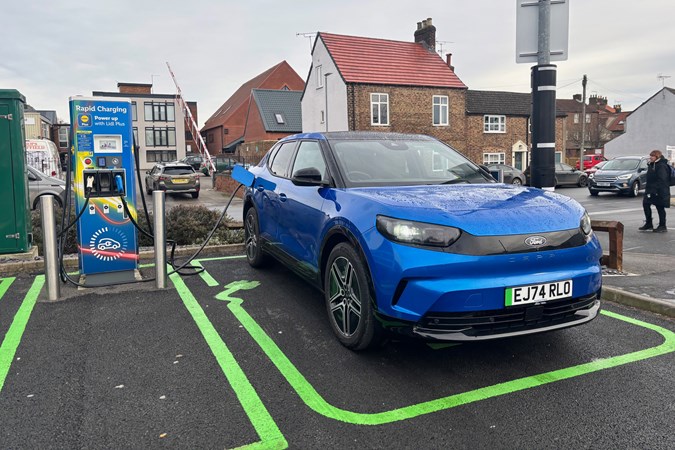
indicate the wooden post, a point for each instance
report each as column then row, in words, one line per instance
column 615, row 229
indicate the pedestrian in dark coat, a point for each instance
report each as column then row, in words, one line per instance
column 657, row 192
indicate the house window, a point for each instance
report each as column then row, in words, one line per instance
column 280, row 118
column 323, row 117
column 576, row 118
column 588, row 118
column 63, row 137
column 494, row 158
column 135, row 131
column 379, row 107
column 319, row 77
column 160, row 112
column 440, row 110
column 160, row 137
column 161, row 155
column 134, row 113
column 494, row 124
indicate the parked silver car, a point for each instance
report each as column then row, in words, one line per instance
column 174, row 178
column 40, row 184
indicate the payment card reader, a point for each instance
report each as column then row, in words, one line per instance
column 103, row 180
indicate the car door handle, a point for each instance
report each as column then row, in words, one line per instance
column 282, row 197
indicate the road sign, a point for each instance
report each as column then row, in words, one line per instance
column 527, row 30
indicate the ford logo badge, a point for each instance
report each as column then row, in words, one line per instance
column 535, row 241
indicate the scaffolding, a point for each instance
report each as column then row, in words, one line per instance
column 191, row 126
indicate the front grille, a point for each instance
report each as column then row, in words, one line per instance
column 509, row 320
column 604, row 179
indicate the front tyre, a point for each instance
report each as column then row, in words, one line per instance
column 348, row 301
column 254, row 253
column 634, row 189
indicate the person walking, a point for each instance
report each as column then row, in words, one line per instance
column 657, row 192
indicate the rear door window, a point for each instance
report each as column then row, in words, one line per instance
column 279, row 165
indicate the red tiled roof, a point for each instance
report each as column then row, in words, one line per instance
column 619, row 122
column 381, row 61
column 233, row 104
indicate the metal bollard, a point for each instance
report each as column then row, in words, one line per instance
column 160, row 239
column 49, row 245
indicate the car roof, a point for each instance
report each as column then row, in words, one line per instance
column 360, row 135
column 173, row 164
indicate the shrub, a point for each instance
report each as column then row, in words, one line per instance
column 187, row 225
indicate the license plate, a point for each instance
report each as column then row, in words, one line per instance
column 603, row 184
column 179, row 181
column 523, row 295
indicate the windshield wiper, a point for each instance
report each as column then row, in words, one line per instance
column 456, row 181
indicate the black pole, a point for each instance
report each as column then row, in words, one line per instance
column 543, row 126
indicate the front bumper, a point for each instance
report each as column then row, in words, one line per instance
column 520, row 321
column 614, row 186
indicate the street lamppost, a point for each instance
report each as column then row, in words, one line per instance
column 325, row 88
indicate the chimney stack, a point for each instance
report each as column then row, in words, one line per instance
column 617, row 108
column 426, row 34
column 448, row 58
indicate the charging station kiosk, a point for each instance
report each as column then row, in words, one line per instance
column 102, row 162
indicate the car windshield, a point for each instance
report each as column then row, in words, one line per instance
column 180, row 170
column 621, row 164
column 403, row 162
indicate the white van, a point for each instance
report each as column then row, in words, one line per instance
column 43, row 155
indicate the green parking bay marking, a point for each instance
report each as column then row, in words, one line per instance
column 315, row 401
column 5, row 283
column 18, row 326
column 264, row 425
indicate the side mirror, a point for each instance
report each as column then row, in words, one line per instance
column 309, row 176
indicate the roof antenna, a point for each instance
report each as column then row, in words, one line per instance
column 307, row 35
column 663, row 78
column 440, row 43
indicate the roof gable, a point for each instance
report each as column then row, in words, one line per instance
column 242, row 96
column 381, row 61
column 285, row 103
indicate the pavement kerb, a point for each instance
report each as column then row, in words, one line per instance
column 11, row 268
column 642, row 302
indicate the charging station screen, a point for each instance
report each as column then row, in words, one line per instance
column 107, row 144
column 104, row 179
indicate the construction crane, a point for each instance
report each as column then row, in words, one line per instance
column 191, row 125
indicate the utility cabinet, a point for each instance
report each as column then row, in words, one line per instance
column 15, row 225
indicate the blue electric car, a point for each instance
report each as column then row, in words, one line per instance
column 403, row 233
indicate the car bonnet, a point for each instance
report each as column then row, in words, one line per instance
column 479, row 209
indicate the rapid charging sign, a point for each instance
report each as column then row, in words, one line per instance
column 103, row 170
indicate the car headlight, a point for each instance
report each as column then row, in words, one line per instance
column 624, row 177
column 585, row 224
column 417, row 233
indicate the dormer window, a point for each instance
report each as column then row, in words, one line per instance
column 280, row 118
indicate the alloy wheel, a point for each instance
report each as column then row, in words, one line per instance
column 344, row 301
column 251, row 235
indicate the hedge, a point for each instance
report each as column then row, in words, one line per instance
column 187, row 225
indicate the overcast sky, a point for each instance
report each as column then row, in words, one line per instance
column 53, row 49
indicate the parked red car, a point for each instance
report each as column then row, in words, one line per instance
column 595, row 168
column 591, row 160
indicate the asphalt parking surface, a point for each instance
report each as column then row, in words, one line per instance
column 240, row 357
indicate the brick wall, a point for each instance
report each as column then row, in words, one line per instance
column 410, row 111
column 223, row 182
column 134, row 88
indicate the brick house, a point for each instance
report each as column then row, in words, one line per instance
column 224, row 130
column 358, row 83
column 272, row 115
column 498, row 128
